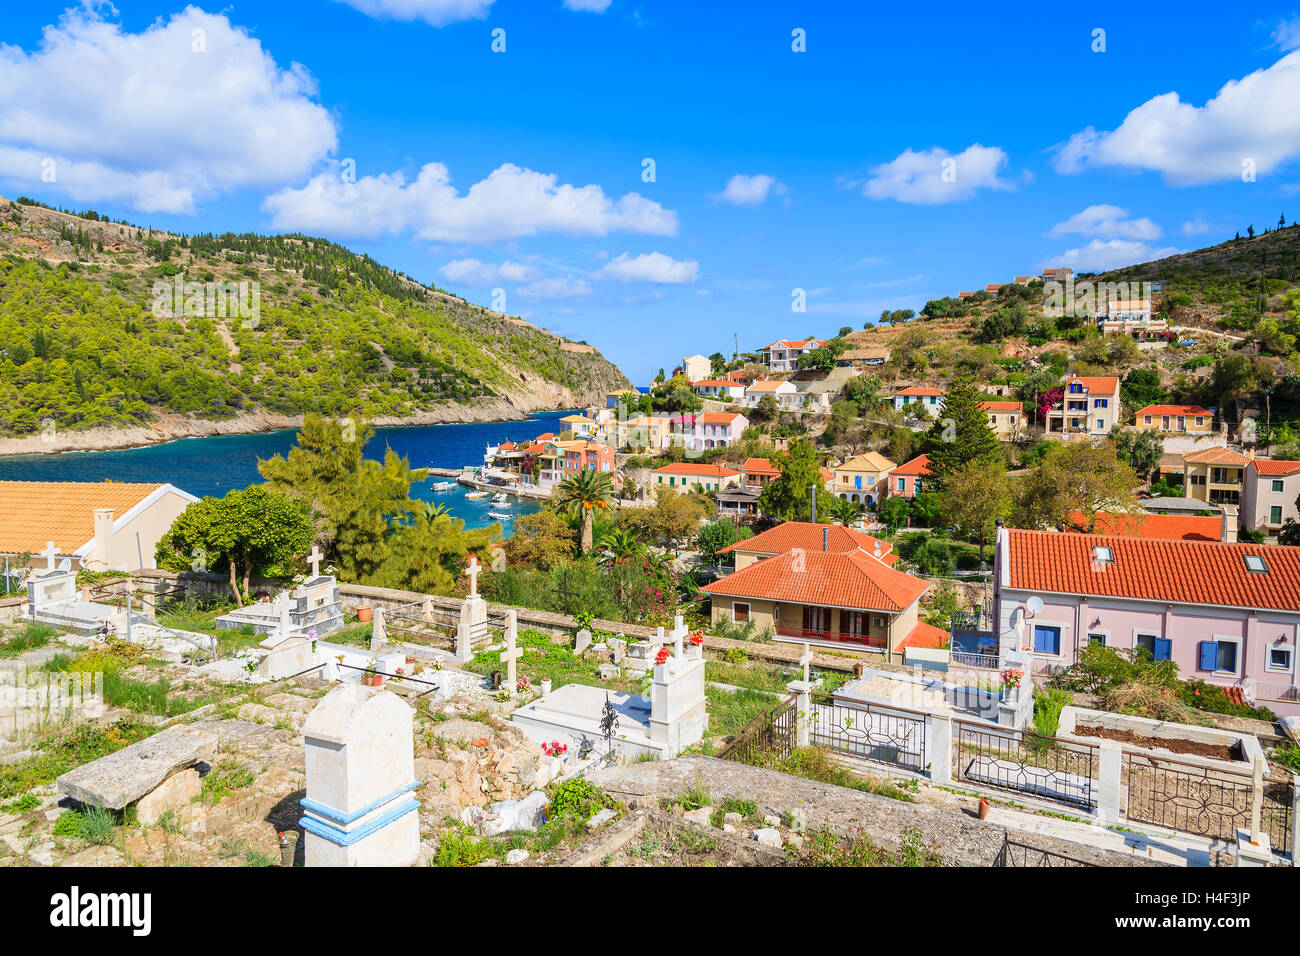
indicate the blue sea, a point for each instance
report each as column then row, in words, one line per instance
column 213, row 466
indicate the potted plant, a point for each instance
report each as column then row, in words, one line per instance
column 363, row 613
column 371, row 677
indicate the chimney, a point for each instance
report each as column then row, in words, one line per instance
column 1228, row 529
column 103, row 535
column 826, row 537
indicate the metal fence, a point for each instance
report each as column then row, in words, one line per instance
column 986, row 661
column 773, row 733
column 1022, row 854
column 1059, row 770
column 1205, row 800
column 891, row 735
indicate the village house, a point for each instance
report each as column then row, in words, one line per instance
column 759, row 472
column 907, row 480
column 1128, row 317
column 739, row 503
column 1269, row 497
column 783, row 355
column 1226, row 613
column 1215, row 475
column 689, row 475
column 1090, row 408
column 711, row 429
column 1189, row 419
column 826, row 586
column 580, row 425
column 96, row 525
column 722, row 389
column 1058, row 275
column 1007, row 419
column 863, row 478
column 696, row 367
column 1171, row 527
column 931, row 399
column 650, row 433
column 587, row 456
column 786, row 395
column 865, row 356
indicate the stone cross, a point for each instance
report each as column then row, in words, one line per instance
column 315, row 559
column 282, row 606
column 806, row 660
column 512, row 652
column 49, row 553
column 679, row 634
column 473, row 571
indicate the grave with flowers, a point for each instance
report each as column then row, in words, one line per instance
column 661, row 725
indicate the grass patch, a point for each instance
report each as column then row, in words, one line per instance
column 24, row 804
column 225, row 777
column 814, row 763
column 826, row 848
column 33, row 635
column 754, row 675
column 93, row 824
column 731, row 711
column 64, row 750
column 556, row 662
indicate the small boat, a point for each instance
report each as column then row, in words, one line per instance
column 500, row 517
column 443, row 485
column 476, row 494
column 500, row 498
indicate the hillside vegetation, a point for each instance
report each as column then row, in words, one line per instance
column 83, row 345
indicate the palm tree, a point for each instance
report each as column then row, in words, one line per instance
column 580, row 494
column 621, row 544
column 847, row 513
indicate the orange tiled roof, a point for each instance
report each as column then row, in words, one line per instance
column 760, row 466
column 853, row 580
column 1276, row 467
column 1001, row 406
column 1183, row 572
column 1144, row 525
column 34, row 512
column 714, row 383
column 766, row 385
column 1215, row 456
column 689, row 468
column 920, row 390
column 920, row 465
column 926, row 635
column 1174, row 410
column 808, row 535
column 716, row 418
column 1108, row 384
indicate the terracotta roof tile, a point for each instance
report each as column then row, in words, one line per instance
column 1275, row 467
column 926, row 635
column 34, row 512
column 1105, row 384
column 1001, row 406
column 853, row 580
column 1145, row 525
column 689, row 468
column 920, row 390
column 716, row 418
column 809, row 536
column 1215, row 456
column 1183, row 572
column 1175, row 410
column 920, row 465
column 760, row 466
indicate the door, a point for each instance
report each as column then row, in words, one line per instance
column 817, row 620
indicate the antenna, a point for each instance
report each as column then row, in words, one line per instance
column 1034, row 604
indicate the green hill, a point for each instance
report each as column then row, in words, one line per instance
column 87, row 341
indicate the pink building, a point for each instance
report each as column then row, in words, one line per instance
column 908, row 479
column 1226, row 613
column 587, row 456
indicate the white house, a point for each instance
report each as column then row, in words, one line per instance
column 783, row 354
column 723, row 389
column 713, row 429
column 931, row 399
column 696, row 367
column 786, row 395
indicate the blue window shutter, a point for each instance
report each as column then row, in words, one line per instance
column 1047, row 640
column 1164, row 649
column 1209, row 656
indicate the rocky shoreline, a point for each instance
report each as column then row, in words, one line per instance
column 167, row 428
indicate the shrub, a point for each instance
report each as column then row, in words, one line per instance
column 1048, row 704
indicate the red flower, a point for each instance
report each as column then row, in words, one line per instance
column 662, row 656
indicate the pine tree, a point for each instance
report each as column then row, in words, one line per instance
column 961, row 434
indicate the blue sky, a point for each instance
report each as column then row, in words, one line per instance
column 393, row 127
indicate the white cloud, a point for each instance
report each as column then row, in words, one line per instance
column 475, row 273
column 510, row 203
column 559, row 287
column 1100, row 255
column 937, row 176
column 742, row 190
column 436, row 13
column 1252, row 119
column 867, row 261
column 1287, row 34
column 1106, row 222
column 587, row 6
column 651, row 267
column 148, row 120
column 1196, row 227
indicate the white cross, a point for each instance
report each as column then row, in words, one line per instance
column 49, row 553
column 315, row 559
column 806, row 660
column 512, row 652
column 473, row 571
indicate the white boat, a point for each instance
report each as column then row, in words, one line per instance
column 500, row 517
column 476, row 494
column 443, row 485
column 500, row 498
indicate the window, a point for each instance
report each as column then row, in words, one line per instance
column 1101, row 424
column 1255, row 564
column 1103, row 554
column 902, row 484
column 1146, row 419
column 1156, row 647
column 739, row 612
column 1200, row 420
column 1047, row 640
column 1097, row 638
column 1277, row 486
column 1275, row 514
column 1219, row 656
column 1279, row 658
column 1101, row 403
column 878, row 622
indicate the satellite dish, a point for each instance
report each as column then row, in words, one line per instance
column 65, row 564
column 1035, row 604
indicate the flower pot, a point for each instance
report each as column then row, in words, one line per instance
column 546, row 686
column 984, row 809
column 363, row 614
column 372, row 680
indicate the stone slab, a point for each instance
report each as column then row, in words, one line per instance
column 123, row 777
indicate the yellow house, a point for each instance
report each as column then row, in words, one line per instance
column 580, row 425
column 1189, row 419
column 1007, row 419
column 1214, row 475
column 862, row 478
column 649, row 432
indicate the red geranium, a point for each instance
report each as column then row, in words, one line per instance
column 662, row 656
column 697, row 638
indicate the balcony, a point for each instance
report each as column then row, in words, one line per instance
column 855, row 641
